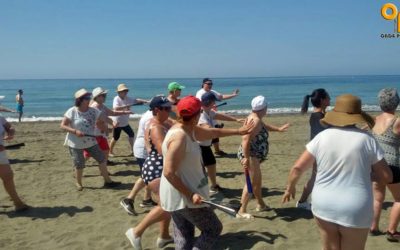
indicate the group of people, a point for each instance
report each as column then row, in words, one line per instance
column 351, row 165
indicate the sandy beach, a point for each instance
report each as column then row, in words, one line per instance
column 63, row 218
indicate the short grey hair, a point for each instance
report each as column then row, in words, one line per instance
column 388, row 99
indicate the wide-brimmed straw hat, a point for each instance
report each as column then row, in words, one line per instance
column 98, row 91
column 347, row 112
column 122, row 87
column 81, row 92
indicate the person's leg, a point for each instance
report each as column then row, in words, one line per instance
column 20, row 116
column 78, row 177
column 244, row 201
column 98, row 155
column 7, row 176
column 183, row 231
column 329, row 234
column 79, row 164
column 139, row 185
column 155, row 215
column 212, row 174
column 256, row 179
column 352, row 238
column 395, row 211
column 379, row 197
column 208, row 223
column 308, row 187
column 116, row 136
column 131, row 135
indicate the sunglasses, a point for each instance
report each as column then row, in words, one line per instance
column 209, row 83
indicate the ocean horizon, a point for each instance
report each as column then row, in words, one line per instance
column 48, row 99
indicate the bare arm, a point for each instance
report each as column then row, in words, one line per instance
column 203, row 133
column 66, row 125
column 9, row 130
column 4, row 109
column 396, row 127
column 282, row 128
column 381, row 173
column 229, row 96
column 225, row 117
column 176, row 152
column 110, row 112
column 305, row 161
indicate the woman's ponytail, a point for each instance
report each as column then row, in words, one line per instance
column 304, row 106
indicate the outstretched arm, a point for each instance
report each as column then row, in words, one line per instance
column 225, row 117
column 305, row 161
column 282, row 128
column 229, row 96
column 203, row 133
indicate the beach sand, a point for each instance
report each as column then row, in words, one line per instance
column 63, row 218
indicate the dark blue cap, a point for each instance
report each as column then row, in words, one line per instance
column 158, row 102
column 207, row 98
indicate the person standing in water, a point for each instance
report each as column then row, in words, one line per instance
column 20, row 103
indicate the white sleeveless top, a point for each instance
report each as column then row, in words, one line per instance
column 191, row 173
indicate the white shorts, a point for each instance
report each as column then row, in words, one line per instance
column 3, row 158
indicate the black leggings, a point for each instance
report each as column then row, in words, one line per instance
column 127, row 129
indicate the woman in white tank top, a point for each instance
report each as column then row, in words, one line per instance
column 183, row 182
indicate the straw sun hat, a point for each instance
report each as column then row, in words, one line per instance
column 347, row 112
column 122, row 87
column 98, row 91
column 80, row 93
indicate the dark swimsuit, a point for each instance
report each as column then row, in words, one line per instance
column 153, row 165
column 259, row 146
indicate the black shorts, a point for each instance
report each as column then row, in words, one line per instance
column 396, row 174
column 127, row 129
column 208, row 156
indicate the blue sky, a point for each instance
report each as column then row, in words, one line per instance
column 188, row 38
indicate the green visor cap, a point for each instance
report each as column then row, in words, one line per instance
column 175, row 86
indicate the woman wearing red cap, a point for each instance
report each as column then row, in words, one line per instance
column 183, row 182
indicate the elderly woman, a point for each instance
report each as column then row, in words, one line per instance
column 253, row 151
column 387, row 133
column 151, row 173
column 6, row 173
column 183, row 183
column 98, row 102
column 345, row 157
column 80, row 122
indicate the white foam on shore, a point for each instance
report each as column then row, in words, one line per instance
column 241, row 112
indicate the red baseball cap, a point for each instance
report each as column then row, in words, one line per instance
column 188, row 106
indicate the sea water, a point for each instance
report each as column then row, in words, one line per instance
column 48, row 99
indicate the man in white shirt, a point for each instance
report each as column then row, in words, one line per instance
column 207, row 87
column 123, row 102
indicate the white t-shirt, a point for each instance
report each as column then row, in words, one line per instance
column 102, row 109
column 207, row 119
column 123, row 120
column 3, row 121
column 85, row 122
column 342, row 191
column 139, row 147
column 201, row 92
